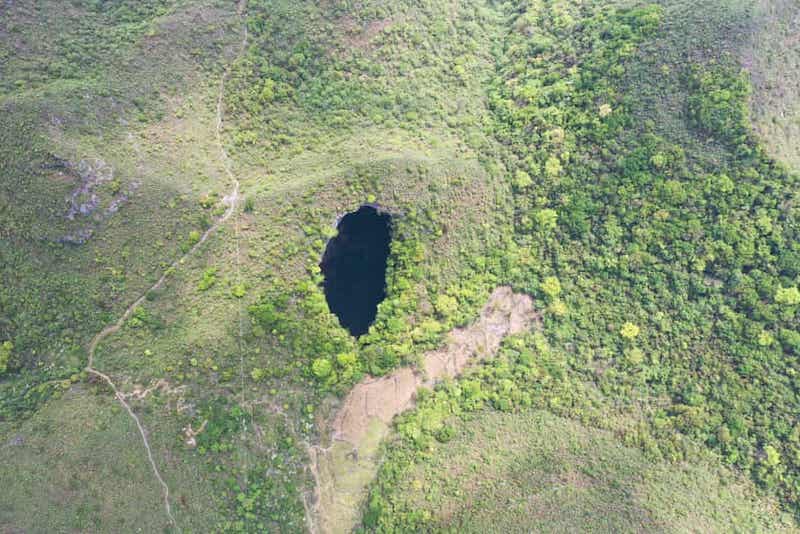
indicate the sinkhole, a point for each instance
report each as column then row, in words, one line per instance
column 354, row 266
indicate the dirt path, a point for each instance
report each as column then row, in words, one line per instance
column 343, row 470
column 231, row 200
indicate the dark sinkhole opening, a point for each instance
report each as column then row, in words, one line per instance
column 354, row 265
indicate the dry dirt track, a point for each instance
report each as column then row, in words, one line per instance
column 231, row 200
column 343, row 469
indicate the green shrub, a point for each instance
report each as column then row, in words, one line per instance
column 546, row 219
column 249, row 204
column 322, row 368
column 522, row 179
column 208, row 280
column 718, row 103
column 789, row 296
column 552, row 167
column 193, row 238
column 5, row 355
column 445, row 306
column 257, row 374
column 634, row 356
column 551, row 287
column 144, row 318
column 629, row 331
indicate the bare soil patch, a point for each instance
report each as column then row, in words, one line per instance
column 505, row 313
column 343, row 470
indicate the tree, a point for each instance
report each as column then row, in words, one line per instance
column 552, row 167
column 5, row 354
column 551, row 287
column 557, row 307
column 546, row 218
column 772, row 458
column 267, row 93
column 522, row 180
column 348, row 364
column 322, row 368
column 765, row 339
column 789, row 296
column 446, row 306
column 629, row 331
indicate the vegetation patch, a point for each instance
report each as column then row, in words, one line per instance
column 532, row 471
column 651, row 300
column 599, row 157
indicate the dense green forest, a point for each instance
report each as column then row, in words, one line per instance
column 172, row 172
column 668, row 268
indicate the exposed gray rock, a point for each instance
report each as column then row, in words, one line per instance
column 77, row 238
column 84, row 201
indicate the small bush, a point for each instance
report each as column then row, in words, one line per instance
column 629, row 331
column 790, row 296
column 322, row 368
column 208, row 280
column 551, row 287
column 5, row 355
column 249, row 204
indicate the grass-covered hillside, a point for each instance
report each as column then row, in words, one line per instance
column 532, row 471
column 170, row 173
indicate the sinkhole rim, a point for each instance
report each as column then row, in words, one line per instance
column 354, row 265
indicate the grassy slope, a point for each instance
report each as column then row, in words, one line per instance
column 761, row 36
column 535, row 472
column 73, row 468
column 329, row 106
column 247, row 470
column 772, row 55
column 116, row 104
column 109, row 83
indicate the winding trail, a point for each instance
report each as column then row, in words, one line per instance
column 231, row 199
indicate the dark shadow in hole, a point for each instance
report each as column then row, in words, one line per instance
column 354, row 265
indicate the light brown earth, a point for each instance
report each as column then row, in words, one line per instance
column 344, row 469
